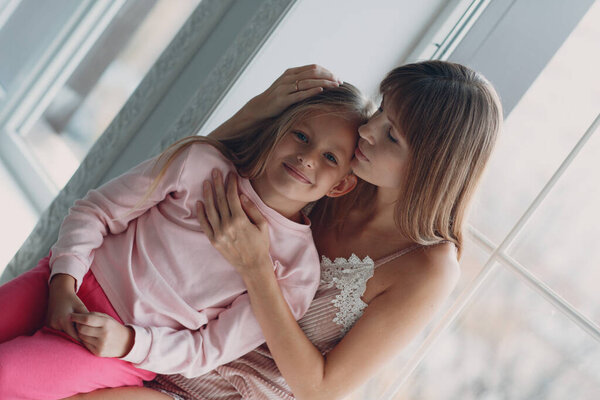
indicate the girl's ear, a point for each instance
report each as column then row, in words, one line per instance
column 344, row 186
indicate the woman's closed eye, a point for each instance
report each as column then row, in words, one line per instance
column 390, row 137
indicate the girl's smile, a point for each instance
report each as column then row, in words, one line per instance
column 296, row 174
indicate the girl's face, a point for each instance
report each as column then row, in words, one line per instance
column 311, row 160
column 382, row 154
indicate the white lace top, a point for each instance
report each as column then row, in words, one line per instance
column 350, row 276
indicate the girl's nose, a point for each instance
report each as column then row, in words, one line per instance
column 306, row 159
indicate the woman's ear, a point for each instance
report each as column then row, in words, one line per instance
column 344, row 186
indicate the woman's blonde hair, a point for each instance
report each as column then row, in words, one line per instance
column 451, row 116
column 250, row 149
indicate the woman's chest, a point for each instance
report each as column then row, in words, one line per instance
column 343, row 246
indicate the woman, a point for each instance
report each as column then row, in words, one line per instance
column 419, row 157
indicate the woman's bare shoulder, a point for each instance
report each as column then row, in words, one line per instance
column 430, row 267
column 441, row 257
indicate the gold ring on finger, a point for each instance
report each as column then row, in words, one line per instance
column 296, row 83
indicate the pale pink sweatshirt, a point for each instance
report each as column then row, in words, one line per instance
column 188, row 306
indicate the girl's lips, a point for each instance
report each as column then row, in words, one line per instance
column 359, row 154
column 296, row 174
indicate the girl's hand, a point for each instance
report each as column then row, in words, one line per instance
column 294, row 85
column 62, row 302
column 103, row 335
column 234, row 227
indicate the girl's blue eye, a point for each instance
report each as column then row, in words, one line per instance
column 331, row 157
column 392, row 139
column 301, row 136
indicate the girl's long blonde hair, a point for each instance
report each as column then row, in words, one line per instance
column 451, row 116
column 250, row 149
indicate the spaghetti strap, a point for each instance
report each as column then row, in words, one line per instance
column 401, row 252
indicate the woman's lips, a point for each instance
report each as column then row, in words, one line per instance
column 296, row 174
column 360, row 155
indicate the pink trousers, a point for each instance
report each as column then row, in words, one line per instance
column 37, row 362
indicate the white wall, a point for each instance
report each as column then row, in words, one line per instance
column 359, row 41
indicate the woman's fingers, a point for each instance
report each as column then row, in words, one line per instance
column 318, row 73
column 204, row 224
column 241, row 205
column 222, row 205
column 293, row 85
column 232, row 196
column 306, row 84
column 311, row 71
column 297, row 70
column 304, row 94
column 209, row 207
column 304, row 78
column 252, row 212
column 300, row 85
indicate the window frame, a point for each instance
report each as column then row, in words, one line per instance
column 37, row 90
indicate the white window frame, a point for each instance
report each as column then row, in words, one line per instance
column 40, row 87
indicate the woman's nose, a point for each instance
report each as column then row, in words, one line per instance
column 364, row 131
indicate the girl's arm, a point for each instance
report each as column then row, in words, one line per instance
column 108, row 209
column 388, row 324
column 294, row 85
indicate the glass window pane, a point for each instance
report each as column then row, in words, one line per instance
column 27, row 30
column 102, row 83
column 541, row 130
column 508, row 344
column 560, row 242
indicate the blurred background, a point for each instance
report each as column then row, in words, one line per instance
column 523, row 321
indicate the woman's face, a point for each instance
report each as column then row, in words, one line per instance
column 382, row 154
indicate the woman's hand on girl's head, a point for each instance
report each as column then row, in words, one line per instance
column 234, row 226
column 294, row 85
column 102, row 335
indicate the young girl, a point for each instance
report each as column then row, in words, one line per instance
column 134, row 280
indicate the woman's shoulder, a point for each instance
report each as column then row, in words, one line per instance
column 439, row 256
column 434, row 266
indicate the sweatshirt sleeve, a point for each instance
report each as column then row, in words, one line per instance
column 108, row 210
column 232, row 334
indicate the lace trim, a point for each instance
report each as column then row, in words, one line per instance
column 350, row 276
